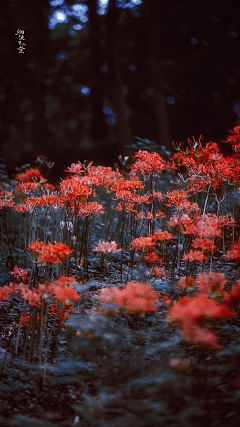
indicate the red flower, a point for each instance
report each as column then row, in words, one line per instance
column 205, row 244
column 29, row 175
column 142, row 243
column 190, row 313
column 150, row 257
column 66, row 294
column 161, row 236
column 234, row 253
column 107, row 247
column 148, row 163
column 211, row 282
column 30, row 295
column 135, row 297
column 3, row 294
column 199, row 335
column 26, row 319
column 53, row 254
column 195, row 256
column 20, row 274
column 6, row 199
column 195, row 309
column 158, row 271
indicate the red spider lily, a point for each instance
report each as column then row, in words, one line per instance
column 194, row 256
column 73, row 188
column 76, row 168
column 30, row 295
column 133, row 184
column 226, row 221
column 181, row 222
column 109, row 294
column 150, row 257
column 234, row 138
column 186, row 282
column 195, row 309
column 65, row 280
column 49, row 187
column 66, row 294
column 29, row 175
column 199, row 335
column 134, row 198
column 148, row 164
column 4, row 292
column 142, row 243
column 50, row 200
column 26, row 319
column 161, row 236
column 135, row 297
column 45, row 289
column 157, row 195
column 235, row 252
column 20, row 274
column 107, row 247
column 208, row 225
column 178, row 158
column 126, row 207
column 90, row 208
column 150, row 216
column 139, row 297
column 95, row 175
column 159, row 214
column 177, row 198
column 53, row 254
column 6, row 199
column 190, row 313
column 205, row 244
column 140, row 216
column 130, row 199
column 63, row 314
column 211, row 282
column 204, row 226
column 204, row 163
column 24, row 187
column 158, row 271
column 102, row 175
column 13, row 288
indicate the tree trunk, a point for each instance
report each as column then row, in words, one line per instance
column 157, row 80
column 116, row 81
column 98, row 130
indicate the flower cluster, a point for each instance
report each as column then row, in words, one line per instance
column 235, row 252
column 54, row 254
column 6, row 199
column 142, row 243
column 190, row 314
column 107, row 247
column 149, row 164
column 134, row 297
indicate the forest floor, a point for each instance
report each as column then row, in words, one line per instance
column 130, row 371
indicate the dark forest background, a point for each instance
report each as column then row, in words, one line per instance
column 96, row 74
